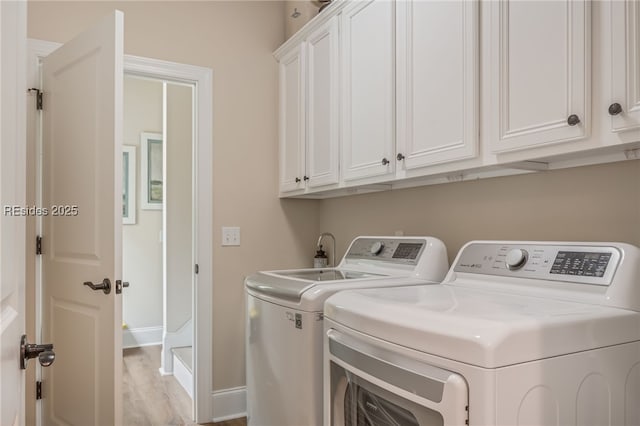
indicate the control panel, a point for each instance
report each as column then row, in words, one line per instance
column 567, row 263
column 405, row 251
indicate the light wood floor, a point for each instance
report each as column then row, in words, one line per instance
column 151, row 399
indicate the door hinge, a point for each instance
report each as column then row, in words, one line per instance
column 38, row 390
column 196, row 268
column 38, row 97
column 38, row 244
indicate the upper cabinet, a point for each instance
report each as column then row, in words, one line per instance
column 368, row 131
column 540, row 79
column 323, row 105
column 309, row 108
column 292, row 123
column 379, row 94
column 625, row 65
column 437, row 82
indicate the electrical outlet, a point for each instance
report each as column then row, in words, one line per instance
column 230, row 235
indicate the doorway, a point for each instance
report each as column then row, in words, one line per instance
column 158, row 229
column 200, row 80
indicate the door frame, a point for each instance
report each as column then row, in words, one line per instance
column 202, row 79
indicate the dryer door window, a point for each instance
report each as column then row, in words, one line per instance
column 372, row 386
column 369, row 405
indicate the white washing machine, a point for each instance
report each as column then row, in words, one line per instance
column 519, row 333
column 284, row 325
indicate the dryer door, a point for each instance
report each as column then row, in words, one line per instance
column 369, row 389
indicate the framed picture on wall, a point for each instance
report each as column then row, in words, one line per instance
column 128, row 185
column 151, row 171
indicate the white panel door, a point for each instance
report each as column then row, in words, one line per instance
column 540, row 72
column 82, row 167
column 323, row 105
column 625, row 27
column 292, row 129
column 13, row 29
column 437, row 81
column 368, row 133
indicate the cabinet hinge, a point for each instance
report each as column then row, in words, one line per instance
column 38, row 97
column 38, row 244
column 196, row 268
column 38, row 390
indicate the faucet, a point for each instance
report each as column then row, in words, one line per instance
column 333, row 246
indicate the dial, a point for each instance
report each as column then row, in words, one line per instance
column 377, row 247
column 516, row 259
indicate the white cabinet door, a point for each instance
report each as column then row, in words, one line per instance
column 540, row 72
column 292, row 129
column 437, row 81
column 625, row 27
column 368, row 139
column 323, row 105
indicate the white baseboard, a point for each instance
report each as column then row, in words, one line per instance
column 170, row 340
column 183, row 375
column 142, row 336
column 229, row 403
column 164, row 373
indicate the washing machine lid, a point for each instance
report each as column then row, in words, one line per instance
column 479, row 327
column 292, row 284
column 325, row 274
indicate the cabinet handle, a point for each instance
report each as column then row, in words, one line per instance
column 306, row 178
column 385, row 161
column 400, row 157
column 615, row 108
column 573, row 120
column 297, row 180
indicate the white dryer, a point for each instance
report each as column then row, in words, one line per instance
column 284, row 322
column 519, row 333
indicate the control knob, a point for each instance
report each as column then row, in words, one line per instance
column 516, row 259
column 377, row 247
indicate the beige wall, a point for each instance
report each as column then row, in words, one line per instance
column 599, row 203
column 179, row 213
column 236, row 39
column 307, row 9
column 141, row 245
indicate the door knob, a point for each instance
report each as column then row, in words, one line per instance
column 385, row 161
column 46, row 358
column 400, row 157
column 105, row 285
column 297, row 180
column 120, row 285
column 45, row 353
